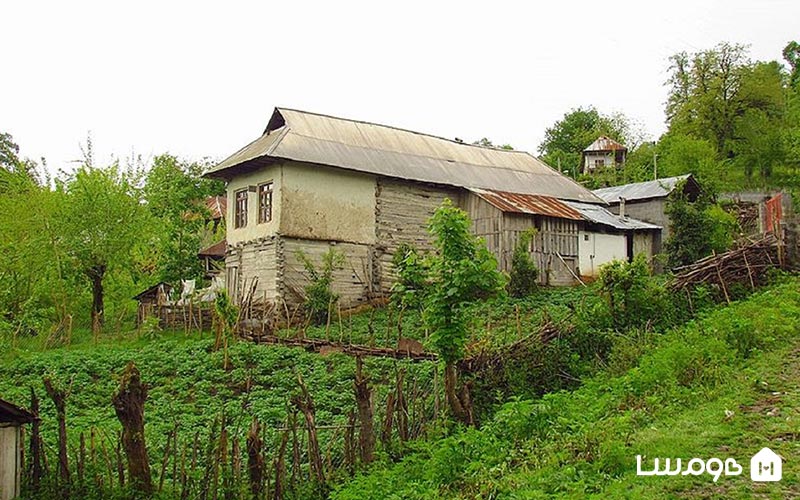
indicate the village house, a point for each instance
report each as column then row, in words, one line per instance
column 12, row 418
column 647, row 201
column 603, row 152
column 313, row 182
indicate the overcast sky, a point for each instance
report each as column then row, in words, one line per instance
column 200, row 79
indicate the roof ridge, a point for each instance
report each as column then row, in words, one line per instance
column 401, row 129
column 421, row 156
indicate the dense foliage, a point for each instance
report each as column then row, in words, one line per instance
column 579, row 443
column 82, row 244
column 524, row 273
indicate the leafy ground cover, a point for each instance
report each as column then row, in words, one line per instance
column 670, row 401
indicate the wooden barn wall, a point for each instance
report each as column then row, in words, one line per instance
column 502, row 230
column 9, row 462
column 555, row 237
column 254, row 259
column 487, row 223
column 402, row 211
column 353, row 282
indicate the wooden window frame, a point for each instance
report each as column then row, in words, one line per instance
column 240, row 199
column 265, row 191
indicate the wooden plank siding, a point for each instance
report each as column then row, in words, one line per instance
column 501, row 231
column 402, row 212
column 352, row 282
column 254, row 259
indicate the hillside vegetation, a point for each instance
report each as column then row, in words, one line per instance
column 672, row 400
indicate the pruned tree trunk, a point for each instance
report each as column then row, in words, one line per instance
column 59, row 397
column 255, row 459
column 305, row 404
column 129, row 407
column 460, row 404
column 96, row 274
column 366, row 435
column 36, row 446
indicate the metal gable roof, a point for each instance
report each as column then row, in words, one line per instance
column 640, row 190
column 528, row 204
column 393, row 152
column 599, row 215
column 604, row 143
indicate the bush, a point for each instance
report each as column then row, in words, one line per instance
column 320, row 297
column 524, row 272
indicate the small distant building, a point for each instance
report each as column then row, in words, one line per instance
column 12, row 418
column 647, row 201
column 151, row 300
column 604, row 152
column 604, row 237
column 213, row 258
column 217, row 206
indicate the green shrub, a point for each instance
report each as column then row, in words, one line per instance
column 320, row 297
column 524, row 273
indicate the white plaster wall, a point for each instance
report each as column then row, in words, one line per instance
column 253, row 229
column 325, row 203
column 596, row 249
column 9, row 454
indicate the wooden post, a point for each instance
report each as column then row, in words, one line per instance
column 129, row 407
column 366, row 434
column 402, row 407
column 59, row 397
column 255, row 458
column 305, row 404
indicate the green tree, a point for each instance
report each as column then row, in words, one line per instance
column 698, row 228
column 567, row 138
column 101, row 222
column 486, row 143
column 461, row 271
column 175, row 193
column 722, row 97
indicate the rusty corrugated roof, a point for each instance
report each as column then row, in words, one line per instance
column 218, row 206
column 604, row 143
column 528, row 204
column 218, row 249
column 393, row 152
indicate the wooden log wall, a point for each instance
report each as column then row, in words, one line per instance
column 351, row 282
column 402, row 211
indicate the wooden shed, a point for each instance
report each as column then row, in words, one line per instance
column 152, row 300
column 500, row 217
column 12, row 418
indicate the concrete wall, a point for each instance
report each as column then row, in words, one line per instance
column 323, row 203
column 253, row 229
column 9, row 463
column 596, row 249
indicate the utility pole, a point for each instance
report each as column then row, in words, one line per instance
column 655, row 162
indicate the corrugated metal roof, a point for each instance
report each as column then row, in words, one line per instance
column 218, row 249
column 604, row 143
column 640, row 190
column 218, row 206
column 599, row 215
column 393, row 152
column 528, row 204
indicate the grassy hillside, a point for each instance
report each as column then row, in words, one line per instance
column 669, row 402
